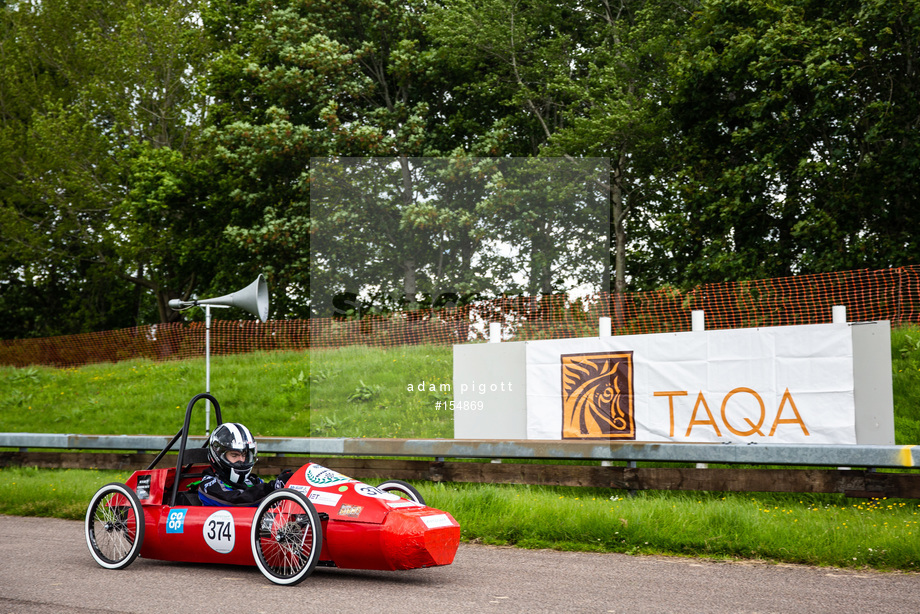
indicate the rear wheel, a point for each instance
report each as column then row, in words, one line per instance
column 114, row 526
column 287, row 537
column 402, row 489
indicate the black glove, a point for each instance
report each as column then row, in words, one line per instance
column 283, row 478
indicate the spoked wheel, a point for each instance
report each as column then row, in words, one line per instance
column 114, row 526
column 287, row 537
column 402, row 489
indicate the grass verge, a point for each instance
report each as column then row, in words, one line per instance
column 810, row 529
column 348, row 392
column 823, row 530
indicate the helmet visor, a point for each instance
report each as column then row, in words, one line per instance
column 241, row 456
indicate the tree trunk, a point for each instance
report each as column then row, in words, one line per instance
column 619, row 240
column 410, row 284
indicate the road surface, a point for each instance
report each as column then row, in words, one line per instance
column 46, row 568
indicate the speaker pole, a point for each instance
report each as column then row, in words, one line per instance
column 253, row 298
column 207, row 366
column 207, row 369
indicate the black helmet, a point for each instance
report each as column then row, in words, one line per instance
column 231, row 436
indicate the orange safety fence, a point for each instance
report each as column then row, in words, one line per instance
column 889, row 294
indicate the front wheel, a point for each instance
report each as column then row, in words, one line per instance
column 114, row 526
column 402, row 489
column 287, row 537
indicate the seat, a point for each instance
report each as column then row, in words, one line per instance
column 192, row 456
column 187, row 497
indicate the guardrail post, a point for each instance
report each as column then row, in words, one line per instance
column 839, row 314
column 495, row 332
column 604, row 327
column 698, row 325
column 631, row 465
column 697, row 320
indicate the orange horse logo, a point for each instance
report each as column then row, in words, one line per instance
column 597, row 396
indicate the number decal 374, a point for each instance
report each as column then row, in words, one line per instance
column 219, row 531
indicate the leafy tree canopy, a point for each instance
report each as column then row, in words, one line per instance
column 153, row 149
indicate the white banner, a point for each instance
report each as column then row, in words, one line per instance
column 790, row 384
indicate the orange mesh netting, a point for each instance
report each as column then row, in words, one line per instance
column 889, row 294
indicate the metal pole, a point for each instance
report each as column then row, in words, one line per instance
column 604, row 327
column 207, row 368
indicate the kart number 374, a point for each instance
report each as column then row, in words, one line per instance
column 219, row 531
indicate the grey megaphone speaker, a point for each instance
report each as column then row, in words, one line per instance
column 253, row 298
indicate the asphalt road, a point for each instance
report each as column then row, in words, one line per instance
column 45, row 568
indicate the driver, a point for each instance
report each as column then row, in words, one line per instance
column 229, row 480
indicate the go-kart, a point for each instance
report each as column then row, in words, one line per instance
column 321, row 518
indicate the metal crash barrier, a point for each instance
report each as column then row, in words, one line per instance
column 854, row 470
column 894, row 457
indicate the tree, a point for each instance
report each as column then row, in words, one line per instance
column 471, row 226
column 101, row 113
column 589, row 77
column 794, row 124
column 302, row 80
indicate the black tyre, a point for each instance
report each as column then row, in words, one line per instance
column 402, row 489
column 287, row 537
column 114, row 526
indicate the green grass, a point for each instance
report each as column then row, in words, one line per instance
column 348, row 392
column 824, row 530
column 64, row 493
column 905, row 384
column 363, row 392
column 143, row 397
column 810, row 529
column 355, row 392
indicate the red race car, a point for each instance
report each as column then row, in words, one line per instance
column 320, row 517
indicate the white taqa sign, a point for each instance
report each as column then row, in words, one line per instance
column 791, row 384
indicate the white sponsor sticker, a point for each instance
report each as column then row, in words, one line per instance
column 219, row 531
column 433, row 522
column 317, row 475
column 299, row 488
column 319, row 497
column 403, row 503
column 372, row 491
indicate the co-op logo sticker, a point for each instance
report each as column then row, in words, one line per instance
column 597, row 396
column 219, row 531
column 175, row 522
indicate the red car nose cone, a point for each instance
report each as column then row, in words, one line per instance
column 420, row 538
